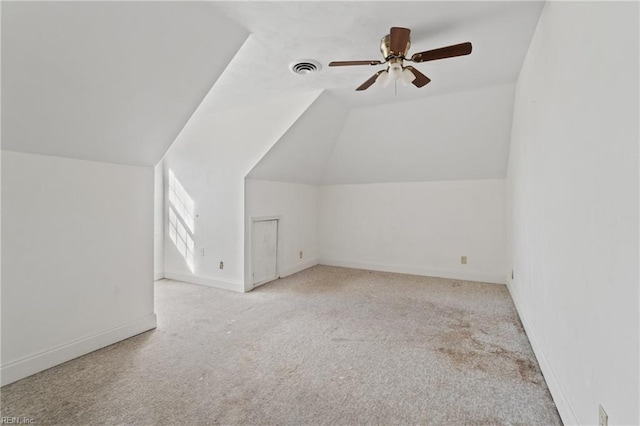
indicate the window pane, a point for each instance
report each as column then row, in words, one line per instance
column 182, row 248
column 180, row 209
column 188, row 220
column 181, row 214
column 181, row 231
column 179, row 189
column 188, row 205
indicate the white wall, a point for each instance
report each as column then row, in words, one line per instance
column 211, row 158
column 77, row 258
column 573, row 198
column 296, row 207
column 418, row 228
column 158, row 221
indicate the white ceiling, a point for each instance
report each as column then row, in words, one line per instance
column 302, row 153
column 117, row 81
column 108, row 81
column 456, row 127
column 462, row 135
column 283, row 32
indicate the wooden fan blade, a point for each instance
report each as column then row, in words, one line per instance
column 345, row 63
column 368, row 83
column 442, row 53
column 421, row 79
column 398, row 40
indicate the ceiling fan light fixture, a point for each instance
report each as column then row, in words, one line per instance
column 395, row 70
column 383, row 79
column 407, row 76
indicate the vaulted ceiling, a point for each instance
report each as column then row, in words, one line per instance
column 113, row 82
column 283, row 32
column 456, row 127
column 462, row 135
column 118, row 81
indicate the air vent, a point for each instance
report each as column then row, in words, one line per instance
column 305, row 66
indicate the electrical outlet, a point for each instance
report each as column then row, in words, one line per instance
column 301, row 254
column 512, row 274
column 463, row 260
column 202, row 251
column 604, row 419
column 221, row 264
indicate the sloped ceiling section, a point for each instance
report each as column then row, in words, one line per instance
column 302, row 153
column 108, row 81
column 456, row 136
column 287, row 31
column 462, row 135
column 457, row 127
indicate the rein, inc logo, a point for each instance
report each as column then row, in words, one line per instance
column 16, row 420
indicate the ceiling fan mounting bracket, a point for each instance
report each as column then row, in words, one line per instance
column 395, row 60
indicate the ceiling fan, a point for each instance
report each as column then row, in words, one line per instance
column 394, row 47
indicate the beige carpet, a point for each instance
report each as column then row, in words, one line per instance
column 325, row 346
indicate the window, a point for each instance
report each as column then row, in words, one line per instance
column 181, row 201
column 181, row 223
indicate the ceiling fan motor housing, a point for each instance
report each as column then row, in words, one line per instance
column 385, row 48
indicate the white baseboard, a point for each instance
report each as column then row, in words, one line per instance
column 416, row 270
column 158, row 275
column 216, row 282
column 300, row 266
column 27, row 366
column 567, row 414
